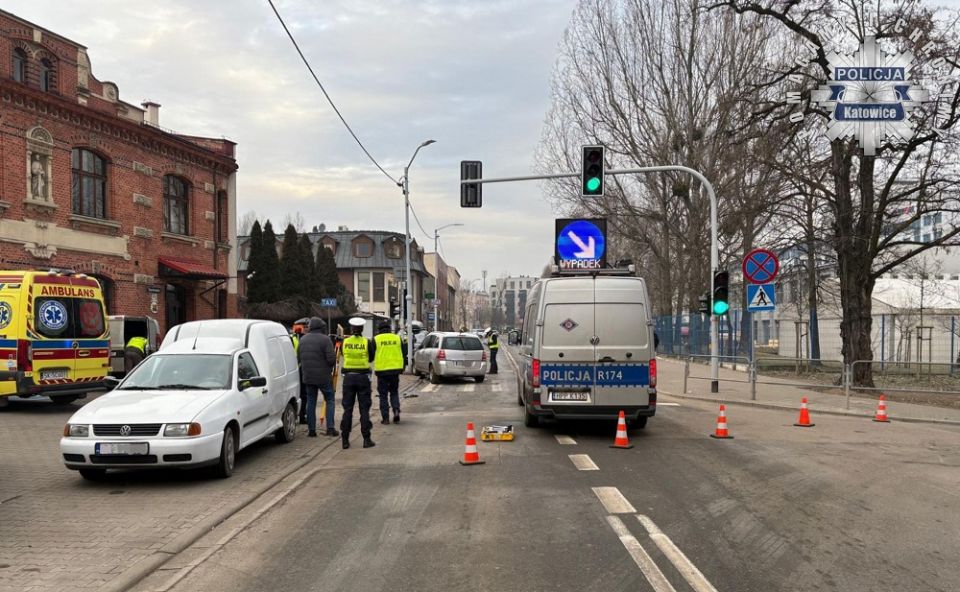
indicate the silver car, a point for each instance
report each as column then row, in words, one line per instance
column 443, row 355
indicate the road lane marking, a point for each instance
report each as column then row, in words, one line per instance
column 687, row 569
column 468, row 388
column 565, row 440
column 662, row 404
column 583, row 462
column 429, row 388
column 613, row 500
column 496, row 387
column 649, row 569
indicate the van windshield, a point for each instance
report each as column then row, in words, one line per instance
column 462, row 343
column 622, row 325
column 181, row 372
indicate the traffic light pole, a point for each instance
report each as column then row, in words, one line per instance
column 714, row 250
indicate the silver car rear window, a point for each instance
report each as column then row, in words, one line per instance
column 462, row 343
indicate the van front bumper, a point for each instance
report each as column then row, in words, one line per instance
column 26, row 387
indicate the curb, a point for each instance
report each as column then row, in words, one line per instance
column 819, row 411
column 151, row 563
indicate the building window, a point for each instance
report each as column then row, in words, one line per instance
column 363, row 286
column 19, row 65
column 378, row 287
column 393, row 250
column 46, row 75
column 175, row 205
column 363, row 248
column 89, row 183
column 222, row 220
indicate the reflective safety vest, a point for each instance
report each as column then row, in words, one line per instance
column 139, row 344
column 389, row 354
column 296, row 342
column 493, row 342
column 355, row 356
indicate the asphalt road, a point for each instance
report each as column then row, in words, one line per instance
column 846, row 505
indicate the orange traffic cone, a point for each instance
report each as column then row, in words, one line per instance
column 621, row 439
column 470, row 454
column 882, row 411
column 804, row 421
column 722, row 432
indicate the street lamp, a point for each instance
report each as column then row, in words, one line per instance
column 405, row 185
column 436, row 254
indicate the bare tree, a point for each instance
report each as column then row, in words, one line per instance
column 245, row 222
column 296, row 220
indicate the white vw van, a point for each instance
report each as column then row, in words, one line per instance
column 587, row 349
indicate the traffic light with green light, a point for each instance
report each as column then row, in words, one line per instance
column 721, row 292
column 591, row 173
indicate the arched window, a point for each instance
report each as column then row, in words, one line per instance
column 176, row 211
column 46, row 75
column 19, row 65
column 89, row 183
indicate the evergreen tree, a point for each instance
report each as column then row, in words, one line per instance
column 255, row 293
column 270, row 273
column 327, row 272
column 292, row 276
column 311, row 279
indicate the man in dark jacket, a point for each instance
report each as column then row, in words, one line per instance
column 317, row 360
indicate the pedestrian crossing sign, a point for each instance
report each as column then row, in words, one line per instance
column 761, row 297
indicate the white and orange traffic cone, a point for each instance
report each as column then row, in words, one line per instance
column 470, row 454
column 881, row 415
column 804, row 421
column 621, row 440
column 722, row 432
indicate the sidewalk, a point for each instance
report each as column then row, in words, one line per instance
column 670, row 382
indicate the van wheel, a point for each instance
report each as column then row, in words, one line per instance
column 479, row 378
column 637, row 424
column 519, row 398
column 65, row 399
column 434, row 377
column 288, row 431
column 228, row 454
column 530, row 420
column 93, row 474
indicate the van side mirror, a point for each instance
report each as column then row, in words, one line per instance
column 111, row 382
column 255, row 382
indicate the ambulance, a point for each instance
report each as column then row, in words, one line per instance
column 54, row 338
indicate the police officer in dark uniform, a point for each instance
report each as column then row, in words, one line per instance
column 358, row 353
column 388, row 365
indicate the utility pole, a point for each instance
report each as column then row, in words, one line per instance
column 408, row 304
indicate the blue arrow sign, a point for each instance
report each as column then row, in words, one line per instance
column 761, row 297
column 581, row 241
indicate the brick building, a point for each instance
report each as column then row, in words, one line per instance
column 91, row 183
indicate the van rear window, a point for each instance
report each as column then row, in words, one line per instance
column 462, row 343
column 59, row 318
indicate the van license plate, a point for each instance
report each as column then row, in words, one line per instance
column 129, row 448
column 569, row 396
column 58, row 374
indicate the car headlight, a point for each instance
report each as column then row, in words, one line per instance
column 76, row 430
column 181, row 430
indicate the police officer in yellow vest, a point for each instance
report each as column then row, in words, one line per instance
column 134, row 353
column 388, row 365
column 493, row 342
column 358, row 352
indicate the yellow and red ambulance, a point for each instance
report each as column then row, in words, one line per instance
column 54, row 338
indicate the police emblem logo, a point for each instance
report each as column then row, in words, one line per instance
column 569, row 325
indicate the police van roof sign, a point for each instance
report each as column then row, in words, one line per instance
column 581, row 243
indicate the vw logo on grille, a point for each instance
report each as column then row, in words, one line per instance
column 125, row 430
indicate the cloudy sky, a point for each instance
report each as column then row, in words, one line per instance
column 472, row 74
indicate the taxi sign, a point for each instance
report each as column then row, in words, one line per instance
column 581, row 243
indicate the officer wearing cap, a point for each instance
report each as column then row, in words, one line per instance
column 358, row 353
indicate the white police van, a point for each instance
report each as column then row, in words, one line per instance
column 587, row 348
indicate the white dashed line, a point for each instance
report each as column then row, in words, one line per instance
column 662, row 404
column 496, row 387
column 690, row 573
column 565, row 440
column 583, row 462
column 649, row 569
column 613, row 500
column 429, row 388
column 468, row 388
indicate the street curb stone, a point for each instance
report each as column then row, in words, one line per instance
column 151, row 563
column 818, row 410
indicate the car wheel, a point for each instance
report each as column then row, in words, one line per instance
column 434, row 377
column 479, row 378
column 93, row 474
column 288, row 431
column 228, row 454
column 65, row 399
column 530, row 420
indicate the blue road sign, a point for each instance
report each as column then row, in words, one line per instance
column 760, row 266
column 430, row 316
column 761, row 297
column 328, row 302
column 581, row 243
